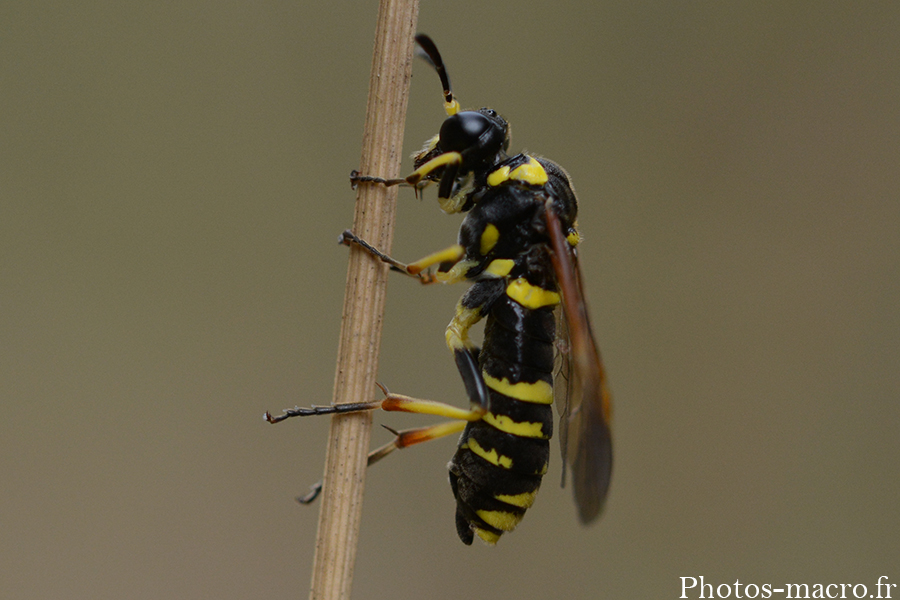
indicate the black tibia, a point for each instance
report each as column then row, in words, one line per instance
column 467, row 363
column 446, row 188
column 480, row 297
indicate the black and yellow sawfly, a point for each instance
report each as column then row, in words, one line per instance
column 517, row 247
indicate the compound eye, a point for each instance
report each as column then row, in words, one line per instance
column 471, row 132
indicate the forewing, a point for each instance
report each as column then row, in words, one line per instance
column 563, row 378
column 587, row 446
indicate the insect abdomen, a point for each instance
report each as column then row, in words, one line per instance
column 497, row 469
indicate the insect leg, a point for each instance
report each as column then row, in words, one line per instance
column 418, row 435
column 469, row 310
column 348, row 238
column 402, row 439
column 465, row 353
column 331, row 409
column 390, row 403
column 449, row 260
column 356, row 178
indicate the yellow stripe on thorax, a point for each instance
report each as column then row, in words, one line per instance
column 530, row 296
column 539, row 392
column 531, row 173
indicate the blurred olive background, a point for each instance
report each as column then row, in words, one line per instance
column 174, row 177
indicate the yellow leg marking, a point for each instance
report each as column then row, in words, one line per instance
column 453, row 205
column 453, row 254
column 411, row 437
column 489, row 238
column 539, row 392
column 524, row 500
column 399, row 403
column 500, row 267
column 504, row 521
column 441, row 160
column 488, row 537
column 530, row 296
column 457, row 333
column 457, row 273
column 492, row 457
column 507, row 425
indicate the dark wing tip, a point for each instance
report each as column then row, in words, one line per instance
column 591, row 472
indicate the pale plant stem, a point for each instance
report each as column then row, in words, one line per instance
column 360, row 339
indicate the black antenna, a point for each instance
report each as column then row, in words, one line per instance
column 428, row 51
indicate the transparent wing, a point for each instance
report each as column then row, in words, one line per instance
column 585, row 418
column 563, row 380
